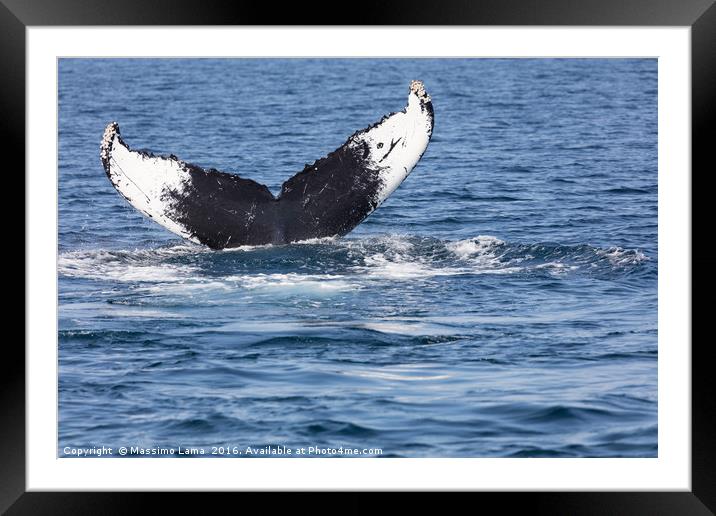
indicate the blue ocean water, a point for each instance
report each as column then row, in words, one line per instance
column 501, row 303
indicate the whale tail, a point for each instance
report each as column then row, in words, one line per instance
column 328, row 198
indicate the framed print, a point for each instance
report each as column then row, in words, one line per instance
column 370, row 258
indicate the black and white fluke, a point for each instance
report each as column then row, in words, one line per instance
column 328, row 198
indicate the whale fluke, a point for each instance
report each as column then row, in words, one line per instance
column 328, row 198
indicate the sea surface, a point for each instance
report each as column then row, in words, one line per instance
column 501, row 303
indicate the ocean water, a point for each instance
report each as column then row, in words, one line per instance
column 501, row 303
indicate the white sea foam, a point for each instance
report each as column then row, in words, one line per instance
column 390, row 242
column 316, row 283
column 619, row 256
column 120, row 266
column 190, row 287
column 154, row 274
column 245, row 248
column 556, row 267
column 398, row 258
column 314, row 241
column 483, row 253
column 481, row 245
column 402, row 267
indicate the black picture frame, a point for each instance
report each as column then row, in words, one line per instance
column 700, row 15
